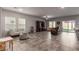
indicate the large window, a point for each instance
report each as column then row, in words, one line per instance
column 14, row 24
column 21, row 24
column 10, row 23
column 68, row 25
column 52, row 24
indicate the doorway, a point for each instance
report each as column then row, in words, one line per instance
column 68, row 26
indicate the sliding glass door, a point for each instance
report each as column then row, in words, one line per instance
column 68, row 26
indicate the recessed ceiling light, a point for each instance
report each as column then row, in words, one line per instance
column 44, row 16
column 20, row 9
column 62, row 7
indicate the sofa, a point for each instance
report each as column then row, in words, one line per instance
column 54, row 31
column 13, row 33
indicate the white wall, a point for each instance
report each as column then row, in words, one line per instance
column 30, row 20
column 77, row 24
column 0, row 22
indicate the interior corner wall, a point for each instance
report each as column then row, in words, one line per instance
column 30, row 20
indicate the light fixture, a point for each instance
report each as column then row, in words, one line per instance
column 47, row 17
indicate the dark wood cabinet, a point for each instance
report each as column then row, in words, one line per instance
column 40, row 26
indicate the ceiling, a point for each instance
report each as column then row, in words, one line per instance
column 50, row 12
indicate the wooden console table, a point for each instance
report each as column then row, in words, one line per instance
column 3, row 42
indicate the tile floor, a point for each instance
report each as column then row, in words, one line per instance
column 44, row 41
